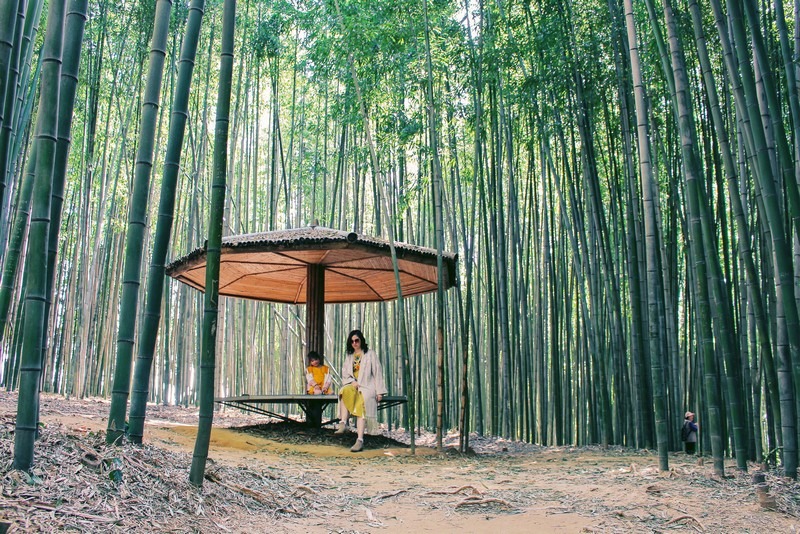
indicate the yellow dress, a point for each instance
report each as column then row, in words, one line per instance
column 352, row 398
column 317, row 376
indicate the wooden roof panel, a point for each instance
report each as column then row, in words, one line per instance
column 277, row 293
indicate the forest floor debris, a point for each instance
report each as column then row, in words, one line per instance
column 134, row 488
column 278, row 477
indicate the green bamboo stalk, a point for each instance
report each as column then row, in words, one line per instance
column 655, row 303
column 19, row 99
column 788, row 171
column 35, row 263
column 163, row 392
column 208, row 355
column 18, row 232
column 788, row 334
column 12, row 365
column 791, row 79
column 74, row 27
column 390, row 230
column 701, row 246
column 8, row 23
column 32, row 18
column 155, row 278
column 637, row 422
column 9, row 66
column 136, row 224
column 436, row 172
column 22, row 123
column 742, row 226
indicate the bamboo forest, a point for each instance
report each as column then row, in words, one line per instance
column 616, row 185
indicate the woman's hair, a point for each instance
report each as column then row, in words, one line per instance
column 349, row 344
column 314, row 355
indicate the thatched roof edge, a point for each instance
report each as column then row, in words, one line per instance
column 312, row 236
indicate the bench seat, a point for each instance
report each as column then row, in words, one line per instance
column 312, row 405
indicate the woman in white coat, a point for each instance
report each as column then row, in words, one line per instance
column 362, row 388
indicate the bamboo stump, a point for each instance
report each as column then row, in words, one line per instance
column 765, row 500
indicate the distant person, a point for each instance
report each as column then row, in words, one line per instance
column 318, row 376
column 689, row 433
column 362, row 388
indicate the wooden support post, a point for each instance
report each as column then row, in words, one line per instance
column 315, row 308
column 315, row 329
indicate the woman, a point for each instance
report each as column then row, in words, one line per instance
column 363, row 388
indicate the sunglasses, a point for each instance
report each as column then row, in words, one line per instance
column 355, row 340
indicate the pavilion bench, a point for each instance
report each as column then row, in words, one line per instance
column 312, row 405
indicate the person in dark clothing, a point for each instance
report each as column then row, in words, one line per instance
column 689, row 433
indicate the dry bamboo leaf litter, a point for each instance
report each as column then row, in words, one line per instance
column 388, row 495
column 85, row 485
column 480, row 502
column 475, row 491
column 684, row 517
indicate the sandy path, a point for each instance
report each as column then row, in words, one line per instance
column 557, row 490
column 387, row 490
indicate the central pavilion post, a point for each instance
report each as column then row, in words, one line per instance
column 315, row 328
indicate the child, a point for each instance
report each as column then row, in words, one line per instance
column 318, row 376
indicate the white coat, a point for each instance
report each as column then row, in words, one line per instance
column 370, row 383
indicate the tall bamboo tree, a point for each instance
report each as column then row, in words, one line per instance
column 788, row 331
column 214, row 243
column 36, row 258
column 655, row 303
column 74, row 28
column 436, row 172
column 155, row 277
column 8, row 28
column 137, row 215
column 701, row 248
column 742, row 227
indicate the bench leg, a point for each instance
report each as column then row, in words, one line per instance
column 314, row 414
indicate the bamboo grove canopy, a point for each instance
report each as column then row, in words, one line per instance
column 278, row 266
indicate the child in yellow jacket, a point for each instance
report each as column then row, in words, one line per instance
column 318, row 376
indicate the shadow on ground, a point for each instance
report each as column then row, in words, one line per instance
column 297, row 433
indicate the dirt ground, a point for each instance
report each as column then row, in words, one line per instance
column 267, row 477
